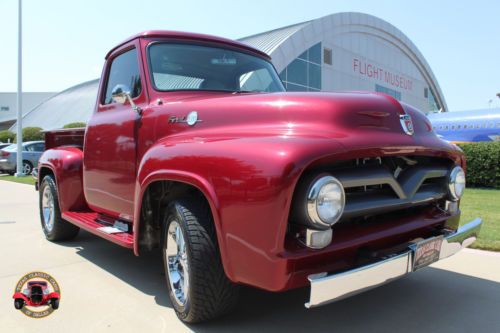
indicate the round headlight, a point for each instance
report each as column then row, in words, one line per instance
column 325, row 201
column 456, row 183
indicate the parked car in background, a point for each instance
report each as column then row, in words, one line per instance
column 4, row 145
column 32, row 150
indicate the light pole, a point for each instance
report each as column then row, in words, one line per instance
column 19, row 162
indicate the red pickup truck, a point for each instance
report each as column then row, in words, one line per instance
column 196, row 149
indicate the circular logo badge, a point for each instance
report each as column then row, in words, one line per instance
column 37, row 295
column 192, row 118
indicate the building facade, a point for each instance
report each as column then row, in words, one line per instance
column 74, row 104
column 351, row 51
column 338, row 52
column 8, row 105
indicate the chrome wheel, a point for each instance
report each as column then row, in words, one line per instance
column 26, row 168
column 48, row 208
column 177, row 263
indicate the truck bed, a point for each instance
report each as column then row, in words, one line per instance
column 65, row 137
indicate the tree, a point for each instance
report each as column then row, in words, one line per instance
column 75, row 125
column 7, row 136
column 33, row 134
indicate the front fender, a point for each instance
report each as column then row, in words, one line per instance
column 53, row 295
column 248, row 183
column 20, row 295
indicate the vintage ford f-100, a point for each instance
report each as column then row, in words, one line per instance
column 195, row 148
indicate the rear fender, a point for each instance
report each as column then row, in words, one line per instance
column 66, row 165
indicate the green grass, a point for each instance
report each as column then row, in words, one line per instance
column 483, row 203
column 23, row 180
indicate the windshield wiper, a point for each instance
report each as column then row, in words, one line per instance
column 246, row 91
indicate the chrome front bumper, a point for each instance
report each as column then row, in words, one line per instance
column 326, row 288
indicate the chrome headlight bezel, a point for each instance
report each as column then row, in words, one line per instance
column 314, row 197
column 456, row 179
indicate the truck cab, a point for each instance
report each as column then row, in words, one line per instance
column 196, row 150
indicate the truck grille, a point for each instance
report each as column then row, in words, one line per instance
column 378, row 185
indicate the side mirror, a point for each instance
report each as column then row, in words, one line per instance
column 121, row 94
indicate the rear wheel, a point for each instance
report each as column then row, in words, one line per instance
column 18, row 303
column 54, row 227
column 198, row 287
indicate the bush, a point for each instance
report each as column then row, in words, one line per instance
column 33, row 134
column 75, row 125
column 7, row 136
column 483, row 159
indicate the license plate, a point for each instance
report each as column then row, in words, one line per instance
column 427, row 252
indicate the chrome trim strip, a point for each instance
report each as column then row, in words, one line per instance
column 326, row 288
column 405, row 187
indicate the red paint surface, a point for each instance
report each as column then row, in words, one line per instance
column 246, row 157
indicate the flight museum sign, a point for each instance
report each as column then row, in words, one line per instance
column 378, row 73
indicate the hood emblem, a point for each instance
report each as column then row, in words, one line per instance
column 191, row 119
column 406, row 123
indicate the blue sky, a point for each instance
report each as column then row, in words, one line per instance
column 65, row 41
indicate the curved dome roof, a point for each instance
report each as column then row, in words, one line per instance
column 74, row 104
column 286, row 44
column 77, row 103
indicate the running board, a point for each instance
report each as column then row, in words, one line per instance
column 101, row 226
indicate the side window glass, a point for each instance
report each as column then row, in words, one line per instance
column 39, row 147
column 124, row 70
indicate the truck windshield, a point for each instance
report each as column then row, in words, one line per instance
column 194, row 67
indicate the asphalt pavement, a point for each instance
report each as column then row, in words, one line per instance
column 105, row 288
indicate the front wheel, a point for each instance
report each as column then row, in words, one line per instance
column 18, row 303
column 198, row 287
column 54, row 303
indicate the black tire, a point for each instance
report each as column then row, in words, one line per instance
column 210, row 294
column 54, row 303
column 11, row 173
column 18, row 303
column 61, row 229
column 27, row 166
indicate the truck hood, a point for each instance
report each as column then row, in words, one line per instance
column 354, row 120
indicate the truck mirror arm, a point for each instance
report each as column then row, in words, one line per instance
column 121, row 94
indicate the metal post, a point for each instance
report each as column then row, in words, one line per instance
column 19, row 161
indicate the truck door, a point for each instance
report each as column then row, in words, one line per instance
column 109, row 171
